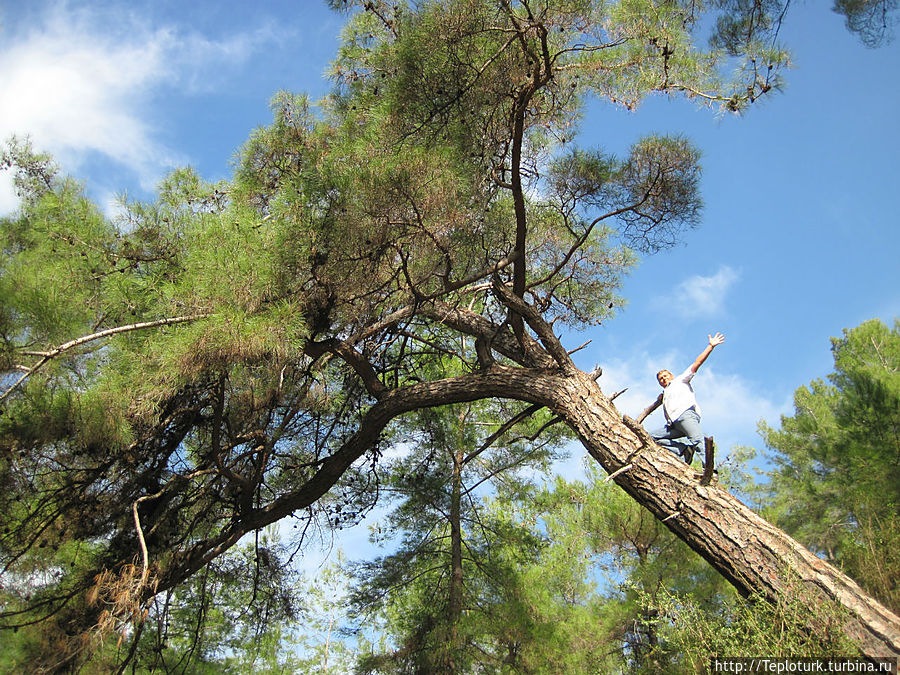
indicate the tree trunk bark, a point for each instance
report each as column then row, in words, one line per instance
column 752, row 554
column 454, row 609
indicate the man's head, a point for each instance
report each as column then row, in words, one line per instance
column 664, row 377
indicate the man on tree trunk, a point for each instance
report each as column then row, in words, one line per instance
column 682, row 433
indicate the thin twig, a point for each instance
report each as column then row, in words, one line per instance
column 617, row 472
column 84, row 339
column 145, row 556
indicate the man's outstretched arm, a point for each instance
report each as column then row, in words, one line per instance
column 714, row 341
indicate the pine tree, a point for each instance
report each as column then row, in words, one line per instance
column 233, row 354
column 837, row 482
column 453, row 556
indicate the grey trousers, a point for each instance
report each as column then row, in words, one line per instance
column 683, row 436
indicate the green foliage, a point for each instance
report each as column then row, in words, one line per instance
column 227, row 355
column 837, row 483
column 663, row 608
column 33, row 173
column 321, row 643
column 573, row 578
column 636, row 560
column 691, row 634
column 236, row 617
column 50, row 288
column 453, row 579
column 872, row 20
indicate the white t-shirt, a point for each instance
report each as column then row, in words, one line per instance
column 679, row 396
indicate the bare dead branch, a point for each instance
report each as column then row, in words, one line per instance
column 77, row 342
column 649, row 409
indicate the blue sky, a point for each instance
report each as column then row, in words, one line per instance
column 799, row 237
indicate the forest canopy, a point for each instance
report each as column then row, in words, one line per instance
column 390, row 268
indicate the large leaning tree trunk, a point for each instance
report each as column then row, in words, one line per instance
column 755, row 556
column 752, row 554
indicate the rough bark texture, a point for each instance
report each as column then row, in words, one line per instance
column 454, row 600
column 752, row 554
column 748, row 551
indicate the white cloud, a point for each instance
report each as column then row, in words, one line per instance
column 700, row 296
column 82, row 85
column 637, row 375
column 734, row 406
column 8, row 199
column 74, row 91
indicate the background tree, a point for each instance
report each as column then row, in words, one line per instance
column 452, row 554
column 640, row 572
column 528, row 603
column 837, row 481
column 572, row 577
column 872, row 20
column 319, row 644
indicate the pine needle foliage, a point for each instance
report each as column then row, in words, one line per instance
column 837, row 485
column 229, row 355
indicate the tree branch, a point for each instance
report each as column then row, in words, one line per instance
column 649, row 409
column 506, row 426
column 352, row 357
column 543, row 330
column 77, row 342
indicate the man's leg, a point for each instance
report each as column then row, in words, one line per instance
column 690, row 433
column 670, row 436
